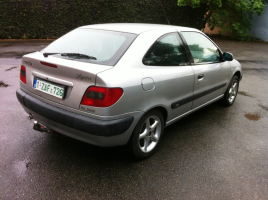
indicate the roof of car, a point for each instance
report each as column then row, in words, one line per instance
column 135, row 28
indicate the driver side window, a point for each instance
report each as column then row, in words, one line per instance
column 201, row 48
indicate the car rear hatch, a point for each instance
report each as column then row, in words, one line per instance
column 64, row 69
column 63, row 81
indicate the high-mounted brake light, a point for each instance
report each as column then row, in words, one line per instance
column 48, row 64
column 101, row 97
column 23, row 74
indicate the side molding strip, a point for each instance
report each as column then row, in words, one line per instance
column 201, row 94
column 191, row 111
column 181, row 102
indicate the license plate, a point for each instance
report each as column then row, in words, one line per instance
column 48, row 88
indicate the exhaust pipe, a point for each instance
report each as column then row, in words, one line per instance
column 30, row 117
column 41, row 128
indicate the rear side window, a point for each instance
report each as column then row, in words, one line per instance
column 106, row 46
column 166, row 51
column 201, row 48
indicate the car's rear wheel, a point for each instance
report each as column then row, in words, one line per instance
column 147, row 134
column 231, row 92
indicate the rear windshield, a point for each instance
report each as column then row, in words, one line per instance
column 107, row 47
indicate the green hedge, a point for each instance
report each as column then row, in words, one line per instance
column 53, row 18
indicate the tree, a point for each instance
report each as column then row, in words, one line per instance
column 232, row 16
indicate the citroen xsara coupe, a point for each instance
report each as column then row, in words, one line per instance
column 118, row 84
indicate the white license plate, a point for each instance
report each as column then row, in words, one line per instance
column 48, row 88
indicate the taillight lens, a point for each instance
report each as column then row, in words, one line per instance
column 101, row 97
column 23, row 74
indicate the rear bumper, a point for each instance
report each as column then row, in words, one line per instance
column 78, row 126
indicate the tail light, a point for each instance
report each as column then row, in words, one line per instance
column 101, row 97
column 23, row 74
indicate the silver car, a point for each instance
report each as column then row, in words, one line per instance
column 118, row 84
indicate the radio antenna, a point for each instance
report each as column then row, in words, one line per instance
column 164, row 11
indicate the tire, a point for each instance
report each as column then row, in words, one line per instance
column 231, row 92
column 146, row 135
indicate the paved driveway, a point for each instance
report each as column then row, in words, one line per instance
column 215, row 153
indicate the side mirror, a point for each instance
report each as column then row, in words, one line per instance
column 227, row 56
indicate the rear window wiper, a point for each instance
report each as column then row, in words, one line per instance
column 47, row 54
column 75, row 55
column 78, row 55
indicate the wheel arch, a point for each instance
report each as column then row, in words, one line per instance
column 238, row 74
column 163, row 111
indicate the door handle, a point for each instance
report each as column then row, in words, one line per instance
column 200, row 77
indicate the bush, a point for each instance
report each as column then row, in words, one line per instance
column 52, row 18
column 232, row 16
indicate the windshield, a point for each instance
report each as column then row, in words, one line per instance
column 106, row 46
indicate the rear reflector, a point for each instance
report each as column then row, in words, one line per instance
column 48, row 64
column 23, row 74
column 101, row 97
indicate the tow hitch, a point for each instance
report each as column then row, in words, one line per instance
column 39, row 127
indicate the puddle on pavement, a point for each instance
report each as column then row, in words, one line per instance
column 2, row 84
column 245, row 94
column 253, row 116
column 11, row 68
column 264, row 107
column 21, row 167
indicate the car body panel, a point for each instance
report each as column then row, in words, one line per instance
column 80, row 74
column 102, row 132
column 168, row 123
column 171, row 84
column 178, row 79
column 173, row 88
column 236, row 67
column 215, row 80
column 102, row 141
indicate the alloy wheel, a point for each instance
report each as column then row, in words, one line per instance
column 149, row 134
column 233, row 91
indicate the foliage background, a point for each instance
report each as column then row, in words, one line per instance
column 53, row 18
column 232, row 16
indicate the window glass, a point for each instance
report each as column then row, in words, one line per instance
column 202, row 49
column 167, row 51
column 106, row 46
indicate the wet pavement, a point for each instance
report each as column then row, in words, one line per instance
column 215, row 153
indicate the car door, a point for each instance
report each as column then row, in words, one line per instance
column 172, row 74
column 211, row 72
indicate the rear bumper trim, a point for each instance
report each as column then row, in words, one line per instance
column 79, row 122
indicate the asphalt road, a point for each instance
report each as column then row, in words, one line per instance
column 215, row 153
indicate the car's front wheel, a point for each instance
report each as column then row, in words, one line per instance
column 231, row 92
column 147, row 134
